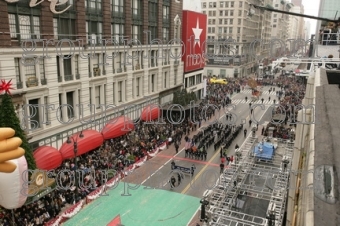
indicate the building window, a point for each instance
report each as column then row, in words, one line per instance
column 191, row 81
column 240, row 13
column 120, row 91
column 175, row 77
column 118, row 33
column 17, row 73
column 67, row 68
column 30, row 69
column 153, row 32
column 90, row 99
column 274, row 25
column 136, row 8
column 42, row 71
column 153, row 82
column 69, row 101
column 227, row 4
column 24, row 27
column 231, row 4
column 137, row 32
column 239, row 21
column 204, row 5
column 275, row 20
column 231, row 21
column 117, row 8
column 276, row 5
column 76, row 64
column 94, row 4
column 153, row 11
column 64, row 28
column 226, row 12
column 221, row 4
column 230, row 30
column 198, row 78
column 166, row 14
column 225, row 21
column 166, row 34
column 231, row 12
column 240, row 4
column 165, row 79
column 94, row 30
column 238, row 30
column 113, row 93
column 97, row 96
column 34, row 111
column 275, row 15
column 137, row 86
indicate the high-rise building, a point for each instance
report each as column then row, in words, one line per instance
column 131, row 70
column 231, row 47
column 329, row 9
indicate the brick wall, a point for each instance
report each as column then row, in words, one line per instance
column 47, row 20
column 128, row 18
column 80, row 20
column 106, row 19
column 175, row 8
column 160, row 20
column 5, row 39
column 145, row 22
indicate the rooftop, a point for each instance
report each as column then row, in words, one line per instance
column 327, row 142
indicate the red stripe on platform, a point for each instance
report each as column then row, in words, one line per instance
column 115, row 222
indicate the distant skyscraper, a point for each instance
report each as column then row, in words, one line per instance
column 329, row 9
column 297, row 2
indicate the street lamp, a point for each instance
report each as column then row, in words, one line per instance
column 75, row 151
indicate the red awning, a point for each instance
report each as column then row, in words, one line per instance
column 117, row 127
column 91, row 140
column 47, row 158
column 150, row 113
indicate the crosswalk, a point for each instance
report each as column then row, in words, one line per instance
column 248, row 91
column 243, row 101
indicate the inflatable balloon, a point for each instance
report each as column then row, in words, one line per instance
column 13, row 166
column 9, row 149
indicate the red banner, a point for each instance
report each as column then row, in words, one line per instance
column 194, row 34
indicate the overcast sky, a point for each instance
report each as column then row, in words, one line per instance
column 311, row 8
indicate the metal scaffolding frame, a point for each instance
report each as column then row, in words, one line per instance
column 239, row 180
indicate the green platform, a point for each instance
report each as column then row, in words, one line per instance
column 144, row 207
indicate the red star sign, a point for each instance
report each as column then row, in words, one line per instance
column 6, row 86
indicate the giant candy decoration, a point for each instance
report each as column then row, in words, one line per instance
column 13, row 168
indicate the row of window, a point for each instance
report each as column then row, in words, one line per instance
column 224, row 13
column 97, row 97
column 223, row 30
column 222, row 4
column 193, row 80
column 28, row 26
column 68, row 68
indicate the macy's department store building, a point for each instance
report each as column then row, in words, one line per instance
column 57, row 80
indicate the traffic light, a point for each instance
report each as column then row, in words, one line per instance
column 9, row 149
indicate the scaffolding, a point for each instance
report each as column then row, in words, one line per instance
column 250, row 181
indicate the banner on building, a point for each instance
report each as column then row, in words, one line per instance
column 194, row 34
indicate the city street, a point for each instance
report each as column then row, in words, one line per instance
column 156, row 172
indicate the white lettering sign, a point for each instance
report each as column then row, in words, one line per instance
column 53, row 4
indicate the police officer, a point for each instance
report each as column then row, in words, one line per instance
column 172, row 182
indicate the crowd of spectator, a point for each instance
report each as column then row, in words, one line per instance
column 290, row 95
column 117, row 154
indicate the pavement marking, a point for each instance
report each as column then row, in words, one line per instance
column 189, row 160
column 200, row 172
column 161, row 166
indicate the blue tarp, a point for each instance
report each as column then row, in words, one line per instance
column 267, row 152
